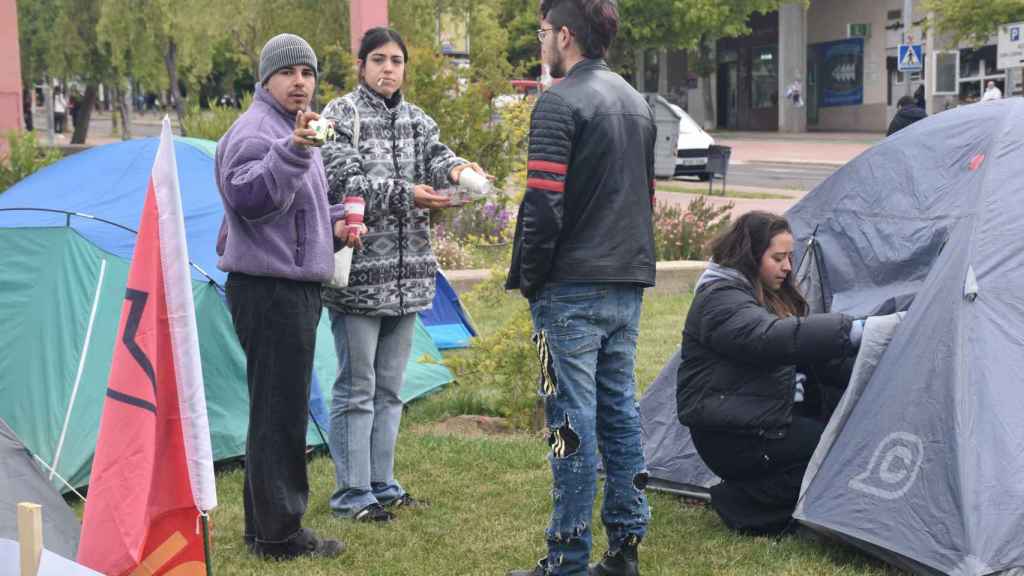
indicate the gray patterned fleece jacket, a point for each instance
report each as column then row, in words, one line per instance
column 399, row 147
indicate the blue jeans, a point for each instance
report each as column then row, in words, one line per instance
column 365, row 408
column 586, row 338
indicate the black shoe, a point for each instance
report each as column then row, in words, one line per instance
column 623, row 562
column 539, row 570
column 304, row 544
column 406, row 501
column 373, row 513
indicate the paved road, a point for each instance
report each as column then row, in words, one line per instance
column 783, row 176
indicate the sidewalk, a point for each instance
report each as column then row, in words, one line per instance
column 829, row 148
column 101, row 128
column 740, row 205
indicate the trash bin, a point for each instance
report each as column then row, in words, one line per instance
column 667, row 121
column 718, row 165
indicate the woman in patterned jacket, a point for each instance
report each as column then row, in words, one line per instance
column 385, row 161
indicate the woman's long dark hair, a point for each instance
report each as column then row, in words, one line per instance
column 742, row 246
column 375, row 38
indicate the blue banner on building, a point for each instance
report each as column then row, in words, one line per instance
column 841, row 79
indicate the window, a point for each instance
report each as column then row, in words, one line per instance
column 764, row 78
column 945, row 73
column 977, row 67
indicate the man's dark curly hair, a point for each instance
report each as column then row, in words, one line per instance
column 594, row 23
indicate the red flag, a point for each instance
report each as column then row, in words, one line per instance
column 153, row 471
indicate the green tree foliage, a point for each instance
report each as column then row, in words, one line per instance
column 248, row 24
column 520, row 19
column 973, row 20
column 681, row 24
column 337, row 72
column 58, row 40
column 416, row 20
column 34, row 37
column 144, row 35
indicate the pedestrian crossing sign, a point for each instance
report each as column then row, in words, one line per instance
column 911, row 58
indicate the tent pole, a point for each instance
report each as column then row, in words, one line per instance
column 205, row 516
column 81, row 368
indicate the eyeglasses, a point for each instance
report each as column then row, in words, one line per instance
column 542, row 33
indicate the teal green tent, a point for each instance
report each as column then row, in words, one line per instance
column 62, row 283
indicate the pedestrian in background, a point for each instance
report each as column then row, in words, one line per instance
column 992, row 92
column 60, row 109
column 907, row 113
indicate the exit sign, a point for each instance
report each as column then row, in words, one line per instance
column 858, row 30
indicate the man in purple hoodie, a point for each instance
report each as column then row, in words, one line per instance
column 277, row 246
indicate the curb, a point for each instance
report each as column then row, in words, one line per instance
column 818, row 163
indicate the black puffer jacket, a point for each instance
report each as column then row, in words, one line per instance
column 739, row 360
column 905, row 117
column 586, row 214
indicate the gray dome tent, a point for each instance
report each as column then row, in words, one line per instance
column 921, row 464
column 21, row 480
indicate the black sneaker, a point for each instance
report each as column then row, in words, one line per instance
column 624, row 562
column 539, row 570
column 304, row 544
column 373, row 513
column 406, row 501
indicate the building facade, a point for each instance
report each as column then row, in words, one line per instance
column 833, row 67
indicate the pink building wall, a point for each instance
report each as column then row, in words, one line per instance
column 363, row 15
column 10, row 72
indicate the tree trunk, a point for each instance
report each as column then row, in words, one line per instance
column 171, row 62
column 640, row 76
column 663, row 71
column 710, row 120
column 707, row 68
column 84, row 111
column 111, row 94
column 123, row 109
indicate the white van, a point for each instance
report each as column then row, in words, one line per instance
column 692, row 147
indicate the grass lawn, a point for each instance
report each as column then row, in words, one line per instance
column 490, row 500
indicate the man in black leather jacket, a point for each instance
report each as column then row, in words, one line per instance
column 583, row 253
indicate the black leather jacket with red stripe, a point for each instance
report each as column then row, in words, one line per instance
column 586, row 214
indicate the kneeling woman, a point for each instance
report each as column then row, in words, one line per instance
column 758, row 375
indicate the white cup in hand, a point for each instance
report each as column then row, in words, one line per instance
column 474, row 182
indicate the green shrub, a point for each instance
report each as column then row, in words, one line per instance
column 685, row 234
column 498, row 375
column 463, row 109
column 213, row 123
column 24, row 157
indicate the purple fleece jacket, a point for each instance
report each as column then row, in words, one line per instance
column 277, row 221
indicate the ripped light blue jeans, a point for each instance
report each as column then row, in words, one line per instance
column 586, row 339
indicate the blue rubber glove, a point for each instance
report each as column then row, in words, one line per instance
column 856, row 332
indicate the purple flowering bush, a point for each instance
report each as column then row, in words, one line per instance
column 477, row 235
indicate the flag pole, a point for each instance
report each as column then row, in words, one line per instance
column 206, row 542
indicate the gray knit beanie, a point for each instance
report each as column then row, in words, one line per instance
column 283, row 51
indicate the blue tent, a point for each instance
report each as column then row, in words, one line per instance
column 447, row 322
column 66, row 240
